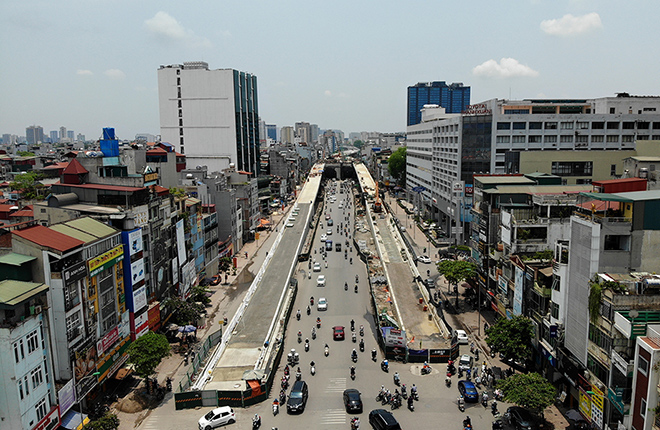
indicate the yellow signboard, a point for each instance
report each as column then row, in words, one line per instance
column 585, row 404
column 98, row 264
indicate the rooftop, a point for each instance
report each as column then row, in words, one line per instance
column 15, row 259
column 13, row 293
column 48, row 238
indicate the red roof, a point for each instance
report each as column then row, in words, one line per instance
column 74, row 168
column 48, row 238
column 26, row 211
column 6, row 208
column 160, row 190
column 3, row 201
column 179, row 155
column 101, row 187
column 61, row 165
column 243, row 172
column 156, row 151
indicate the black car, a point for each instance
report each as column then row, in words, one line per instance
column 298, row 397
column 521, row 418
column 380, row 419
column 352, row 401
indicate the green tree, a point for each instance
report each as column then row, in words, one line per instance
column 396, row 165
column 25, row 153
column 358, row 144
column 106, row 422
column 511, row 337
column 198, row 294
column 224, row 264
column 183, row 312
column 457, row 271
column 28, row 184
column 528, row 390
column 146, row 353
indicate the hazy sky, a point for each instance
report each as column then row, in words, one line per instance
column 88, row 64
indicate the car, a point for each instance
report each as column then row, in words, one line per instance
column 298, row 397
column 352, row 401
column 465, row 362
column 320, row 281
column 216, row 418
column 317, row 267
column 329, row 232
column 468, row 391
column 324, row 237
column 341, row 206
column 338, row 247
column 215, row 280
column 289, row 224
column 424, row 259
column 520, row 418
column 403, row 228
column 430, row 283
column 330, row 222
column 380, row 419
column 338, row 332
column 327, row 217
column 461, row 336
column 328, row 245
column 322, row 304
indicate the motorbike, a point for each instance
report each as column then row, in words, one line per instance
column 284, row 383
column 327, row 350
column 361, row 330
column 467, row 423
column 397, row 379
column 351, row 260
column 345, row 286
column 256, row 422
column 476, row 356
column 493, row 408
column 385, row 366
column 168, row 383
column 353, row 373
column 311, row 301
column 298, row 374
column 484, row 399
column 413, row 393
column 354, row 337
column 448, row 381
column 354, row 356
column 361, row 345
column 451, row 369
column 313, row 333
column 404, row 392
column 309, row 310
column 411, row 405
column 352, row 325
column 298, row 315
column 356, row 288
column 426, row 369
column 282, row 397
column 356, row 279
column 299, row 337
column 355, row 423
column 373, row 354
column 276, row 407
column 318, row 322
column 312, row 368
column 461, row 404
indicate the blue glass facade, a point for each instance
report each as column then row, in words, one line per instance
column 455, row 98
column 247, row 122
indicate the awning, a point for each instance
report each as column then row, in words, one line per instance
column 264, row 222
column 73, row 420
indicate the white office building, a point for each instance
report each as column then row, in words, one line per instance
column 210, row 116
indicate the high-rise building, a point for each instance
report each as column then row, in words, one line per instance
column 210, row 116
column 54, row 136
column 271, row 131
column 62, row 133
column 70, row 135
column 81, row 137
column 287, row 134
column 455, row 98
column 304, row 132
column 34, row 134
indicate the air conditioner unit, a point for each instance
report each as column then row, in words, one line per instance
column 37, row 309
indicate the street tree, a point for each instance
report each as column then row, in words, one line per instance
column 457, row 271
column 358, row 144
column 146, row 353
column 28, row 184
column 528, row 390
column 183, row 311
column 396, row 165
column 512, row 338
column 106, row 422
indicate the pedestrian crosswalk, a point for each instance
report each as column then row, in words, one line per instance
column 334, row 416
column 336, row 385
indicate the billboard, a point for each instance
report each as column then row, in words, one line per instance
column 518, row 292
column 84, row 361
column 139, row 298
column 134, row 241
column 67, row 396
column 180, row 241
column 188, row 279
column 394, row 337
column 137, row 271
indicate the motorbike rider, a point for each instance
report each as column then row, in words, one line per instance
column 413, row 391
column 318, row 321
column 373, row 354
column 309, row 310
column 299, row 336
column 396, row 378
column 352, row 325
column 354, row 354
column 298, row 314
column 256, row 421
column 353, row 371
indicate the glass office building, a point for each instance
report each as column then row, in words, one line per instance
column 455, row 98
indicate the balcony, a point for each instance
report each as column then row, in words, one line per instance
column 542, row 290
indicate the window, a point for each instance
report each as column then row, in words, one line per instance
column 518, row 139
column 554, row 308
column 582, row 125
column 612, row 110
column 550, row 139
column 627, row 138
column 642, row 137
column 20, row 389
column 597, row 139
column 642, row 125
column 42, row 410
column 26, row 385
column 628, row 125
column 582, row 139
column 519, row 125
column 534, row 139
column 32, row 342
column 73, row 326
column 567, row 138
column 504, row 126
column 572, row 168
column 71, row 296
column 642, row 408
column 613, row 139
column 37, row 377
column 503, row 139
column 616, row 242
column 612, row 169
column 19, row 352
column 598, row 125
column 566, row 125
column 656, row 126
column 612, row 125
column 643, row 365
column 551, row 125
column 535, row 125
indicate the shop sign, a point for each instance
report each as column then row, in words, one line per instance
column 137, row 271
column 141, row 214
column 67, row 396
column 84, row 360
column 74, row 273
column 141, row 324
column 597, row 407
column 154, row 317
column 50, row 421
column 477, row 109
column 585, row 404
column 135, row 241
column 107, row 341
column 394, row 337
column 105, row 260
column 149, row 177
column 114, row 359
column 139, row 299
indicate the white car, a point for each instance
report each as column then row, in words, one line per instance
column 217, row 417
column 424, row 259
column 322, row 305
column 289, row 224
column 466, row 362
column 320, row 281
column 461, row 336
column 329, row 232
column 317, row 267
column 324, row 238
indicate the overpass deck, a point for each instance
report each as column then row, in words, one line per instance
column 366, row 181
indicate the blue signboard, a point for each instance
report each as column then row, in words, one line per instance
column 419, row 189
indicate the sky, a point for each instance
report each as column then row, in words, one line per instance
column 89, row 64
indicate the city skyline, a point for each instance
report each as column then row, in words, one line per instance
column 89, row 72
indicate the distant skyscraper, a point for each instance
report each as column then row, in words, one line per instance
column 271, row 131
column 70, row 134
column 62, row 133
column 54, row 136
column 211, row 116
column 34, row 134
column 304, row 132
column 81, row 137
column 315, row 132
column 287, row 134
column 455, row 98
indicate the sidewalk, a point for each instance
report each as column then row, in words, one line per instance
column 467, row 319
column 225, row 300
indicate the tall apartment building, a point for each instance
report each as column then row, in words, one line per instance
column 287, row 134
column 34, row 134
column 62, row 133
column 455, row 98
column 210, row 116
column 304, row 132
column 445, row 150
column 271, row 132
column 54, row 136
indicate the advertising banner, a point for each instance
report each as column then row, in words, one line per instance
column 67, row 396
column 105, row 260
column 114, row 359
column 141, row 215
column 518, row 292
column 135, row 241
column 139, row 299
column 180, row 242
column 84, row 361
column 154, row 316
column 107, row 341
column 137, row 271
column 141, row 324
column 188, row 278
column 394, row 337
column 74, row 273
column 597, row 407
